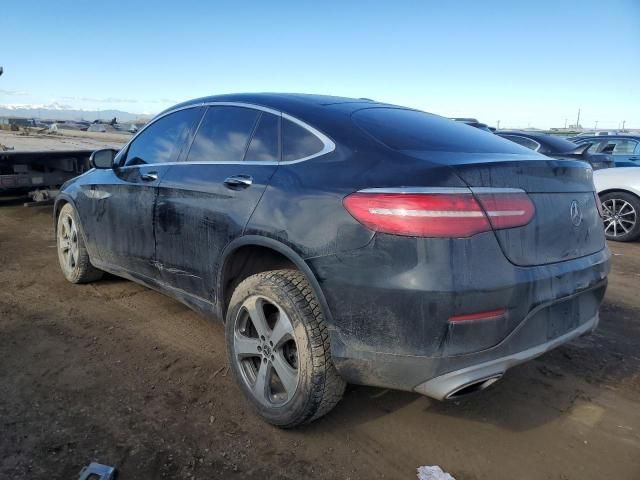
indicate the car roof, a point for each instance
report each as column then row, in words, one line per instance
column 534, row 135
column 286, row 102
column 553, row 143
column 608, row 137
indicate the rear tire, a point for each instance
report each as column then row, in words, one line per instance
column 278, row 347
column 621, row 216
column 72, row 253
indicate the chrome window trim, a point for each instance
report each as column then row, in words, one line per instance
column 442, row 190
column 328, row 144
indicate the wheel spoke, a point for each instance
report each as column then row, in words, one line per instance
column 626, row 230
column 260, row 387
column 70, row 262
column 288, row 375
column 283, row 330
column 65, row 245
column 246, row 346
column 256, row 312
column 608, row 226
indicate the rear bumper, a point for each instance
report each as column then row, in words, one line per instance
column 446, row 386
column 390, row 303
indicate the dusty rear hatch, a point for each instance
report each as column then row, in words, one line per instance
column 566, row 224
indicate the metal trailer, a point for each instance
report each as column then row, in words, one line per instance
column 40, row 174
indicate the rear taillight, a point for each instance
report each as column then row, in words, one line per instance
column 507, row 210
column 439, row 214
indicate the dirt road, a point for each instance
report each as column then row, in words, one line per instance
column 115, row 373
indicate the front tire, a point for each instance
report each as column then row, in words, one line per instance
column 72, row 253
column 621, row 216
column 278, row 347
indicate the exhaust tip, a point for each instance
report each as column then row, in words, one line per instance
column 473, row 387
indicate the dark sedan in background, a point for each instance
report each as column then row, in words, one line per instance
column 344, row 240
column 557, row 147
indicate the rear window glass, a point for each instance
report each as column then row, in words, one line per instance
column 401, row 129
column 298, row 142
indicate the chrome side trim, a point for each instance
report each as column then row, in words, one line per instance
column 329, row 145
column 485, row 190
column 442, row 190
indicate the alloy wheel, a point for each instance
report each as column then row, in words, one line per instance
column 68, row 242
column 266, row 351
column 619, row 217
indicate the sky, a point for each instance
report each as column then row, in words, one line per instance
column 532, row 63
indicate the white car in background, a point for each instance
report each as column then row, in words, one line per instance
column 619, row 191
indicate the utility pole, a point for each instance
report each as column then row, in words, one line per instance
column 498, row 124
column 565, row 123
column 623, row 122
column 596, row 126
column 578, row 120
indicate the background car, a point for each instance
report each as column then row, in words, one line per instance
column 556, row 147
column 624, row 149
column 619, row 191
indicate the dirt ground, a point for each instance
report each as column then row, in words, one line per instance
column 63, row 140
column 115, row 373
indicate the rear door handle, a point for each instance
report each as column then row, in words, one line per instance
column 149, row 176
column 239, row 181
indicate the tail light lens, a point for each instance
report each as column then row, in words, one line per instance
column 439, row 214
column 507, row 210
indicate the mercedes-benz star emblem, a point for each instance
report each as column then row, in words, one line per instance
column 576, row 213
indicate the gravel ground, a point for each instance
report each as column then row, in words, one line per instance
column 116, row 373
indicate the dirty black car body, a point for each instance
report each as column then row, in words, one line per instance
column 432, row 256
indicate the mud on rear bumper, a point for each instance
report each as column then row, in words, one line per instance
column 547, row 326
column 450, row 384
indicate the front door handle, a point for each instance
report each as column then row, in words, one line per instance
column 239, row 181
column 149, row 176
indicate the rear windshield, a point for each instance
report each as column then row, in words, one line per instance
column 402, row 129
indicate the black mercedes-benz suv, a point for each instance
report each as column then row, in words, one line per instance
column 344, row 240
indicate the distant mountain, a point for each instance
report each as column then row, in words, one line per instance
column 57, row 111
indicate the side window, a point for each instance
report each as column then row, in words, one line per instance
column 624, row 147
column 298, row 142
column 595, row 147
column 223, row 135
column 265, row 144
column 163, row 140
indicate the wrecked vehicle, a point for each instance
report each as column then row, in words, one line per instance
column 344, row 240
column 40, row 173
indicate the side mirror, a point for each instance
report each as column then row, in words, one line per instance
column 103, row 158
